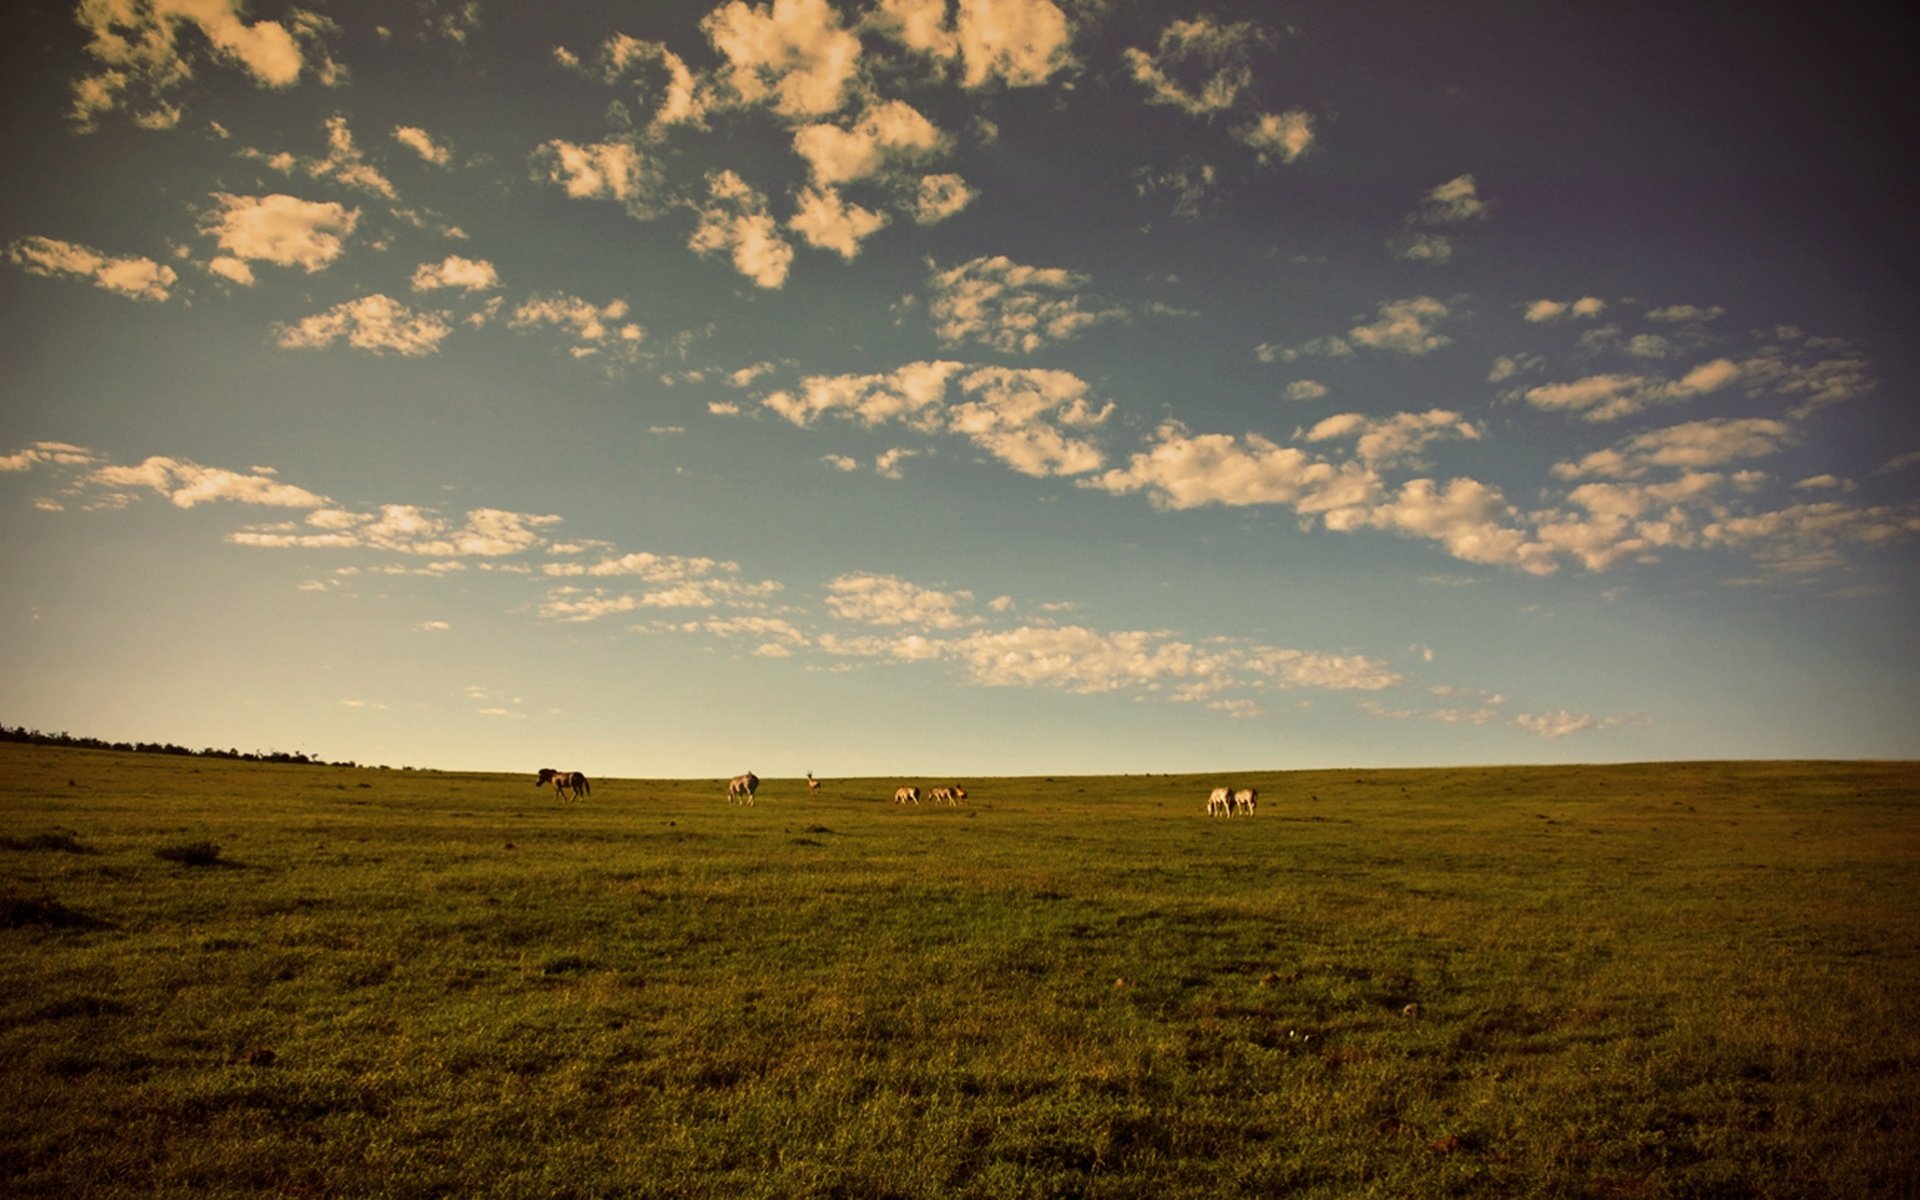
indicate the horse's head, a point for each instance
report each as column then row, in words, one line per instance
column 546, row 777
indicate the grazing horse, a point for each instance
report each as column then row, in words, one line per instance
column 1220, row 803
column 907, row 795
column 813, row 785
column 740, row 788
column 949, row 795
column 1245, row 799
column 567, row 785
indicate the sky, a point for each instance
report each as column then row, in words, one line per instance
column 959, row 388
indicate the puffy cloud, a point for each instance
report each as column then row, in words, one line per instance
column 735, row 222
column 377, row 323
column 345, row 165
column 645, row 565
column 1421, row 246
column 826, row 221
column 593, row 328
column 421, row 142
column 280, row 229
column 1012, row 308
column 47, row 454
column 1452, row 203
column 904, row 395
column 611, row 170
column 134, row 278
column 1805, row 538
column 1018, row 43
column 792, row 54
column 685, row 97
column 887, row 600
column 1198, row 66
column 1182, row 470
column 186, row 484
column 1471, row 519
column 469, row 275
column 407, row 529
column 1020, row 416
column 143, row 53
column 1608, row 397
column 939, row 197
column 885, row 135
column 1399, row 438
column 1404, row 327
column 1278, row 137
column 1554, row 310
column 1693, row 445
column 1016, row 416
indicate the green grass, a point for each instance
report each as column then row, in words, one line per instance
column 1688, row 980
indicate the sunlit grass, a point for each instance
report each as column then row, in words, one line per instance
column 1635, row 981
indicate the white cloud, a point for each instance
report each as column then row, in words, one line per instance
column 791, row 54
column 1399, row 438
column 826, row 221
column 134, row 278
column 903, row 395
column 735, row 222
column 1012, row 308
column 1306, row 389
column 143, row 54
column 1452, row 203
column 345, row 165
column 1694, row 445
column 685, row 97
column 1609, row 397
column 1020, row 416
column 1404, row 327
column 280, row 229
column 1554, row 310
column 1181, row 470
column 1018, row 43
column 186, row 484
column 469, row 275
column 886, row 136
column 377, row 323
column 940, row 197
column 611, row 170
column 422, row 143
column 1278, row 137
column 887, row 465
column 1199, row 66
column 886, row 600
column 593, row 328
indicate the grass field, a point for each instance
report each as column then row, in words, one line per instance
column 1689, row 980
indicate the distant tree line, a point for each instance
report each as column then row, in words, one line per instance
column 33, row 737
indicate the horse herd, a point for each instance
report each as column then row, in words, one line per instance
column 571, row 785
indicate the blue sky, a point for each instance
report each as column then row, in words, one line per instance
column 921, row 388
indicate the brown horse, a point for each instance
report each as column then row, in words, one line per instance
column 568, row 785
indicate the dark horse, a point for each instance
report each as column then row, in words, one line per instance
column 568, row 785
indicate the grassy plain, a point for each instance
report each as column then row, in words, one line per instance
column 1628, row 981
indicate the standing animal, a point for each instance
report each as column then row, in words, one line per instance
column 1245, row 799
column 1220, row 803
column 906, row 795
column 567, row 785
column 953, row 794
column 740, row 788
column 813, row 785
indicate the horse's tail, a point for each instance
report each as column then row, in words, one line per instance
column 585, row 790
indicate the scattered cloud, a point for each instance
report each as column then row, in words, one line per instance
column 377, row 323
column 132, row 277
column 998, row 303
column 279, row 229
column 735, row 222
